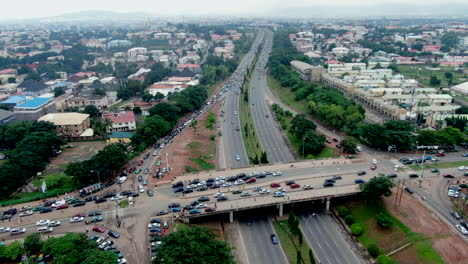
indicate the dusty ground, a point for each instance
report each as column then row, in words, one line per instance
column 419, row 219
column 81, row 151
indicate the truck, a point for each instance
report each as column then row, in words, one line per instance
column 91, row 189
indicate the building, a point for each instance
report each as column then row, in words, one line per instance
column 34, row 88
column 6, row 117
column 33, row 109
column 120, row 137
column 308, row 72
column 14, row 100
column 124, row 121
column 68, row 124
column 119, row 43
column 461, row 89
column 100, row 102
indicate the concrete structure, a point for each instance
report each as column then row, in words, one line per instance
column 33, row 109
column 68, row 124
column 124, row 121
column 6, row 117
column 308, row 72
column 461, row 89
column 100, row 102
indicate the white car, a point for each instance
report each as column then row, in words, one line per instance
column 42, row 222
column 279, row 194
column 58, row 203
column 150, row 225
column 374, row 161
column 462, row 229
column 4, row 229
column 220, row 178
column 118, row 197
column 237, row 157
column 54, row 223
column 25, row 208
column 26, row 213
column 16, row 231
column 121, row 180
column 201, row 205
column 264, row 191
column 68, row 198
column 218, row 194
column 76, row 219
column 202, row 183
column 280, row 189
column 45, row 229
column 239, row 182
column 122, row 261
column 220, row 182
column 245, row 194
column 276, row 173
column 226, row 184
column 462, row 168
column 307, row 187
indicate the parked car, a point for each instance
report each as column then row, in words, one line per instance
column 17, row 231
column 76, row 219
column 294, row 186
column 392, row 175
column 94, row 213
column 448, row 176
column 113, row 234
column 275, row 185
column 456, row 215
column 149, row 192
column 46, row 210
column 413, row 175
column 54, row 223
column 42, row 222
column 99, row 229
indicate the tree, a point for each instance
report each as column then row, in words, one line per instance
column 376, row 187
column 158, row 96
column 313, row 143
column 264, row 158
column 349, row 144
column 33, row 243
column 298, row 257
column 449, row 39
column 178, row 248
column 167, row 111
column 373, row 250
column 300, row 125
column 12, row 251
column 58, row 91
column 11, row 80
column 154, row 128
column 428, row 138
column 384, row 259
column 349, row 220
column 434, row 81
column 91, row 110
column 463, row 110
column 451, row 136
column 383, row 220
column 147, row 97
column 137, row 110
column 343, row 211
column 356, row 229
column 311, row 256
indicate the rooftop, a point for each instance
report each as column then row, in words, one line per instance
column 123, row 117
column 35, row 103
column 120, row 135
column 14, row 99
column 64, row 119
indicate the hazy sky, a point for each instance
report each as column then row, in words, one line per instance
column 23, row 9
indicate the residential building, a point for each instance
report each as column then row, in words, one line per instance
column 68, row 124
column 6, row 117
column 308, row 72
column 461, row 89
column 14, row 100
column 123, row 121
column 34, row 88
column 33, row 109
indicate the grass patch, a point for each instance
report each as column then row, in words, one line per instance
column 327, row 152
column 423, row 75
column 210, row 120
column 285, row 95
column 389, row 239
column 193, row 145
column 282, row 230
column 117, row 105
column 181, row 226
column 34, row 196
column 56, row 181
column 190, row 169
column 440, row 165
column 123, row 203
column 202, row 163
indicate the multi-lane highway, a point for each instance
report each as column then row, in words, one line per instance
column 268, row 131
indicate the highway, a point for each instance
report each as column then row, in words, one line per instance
column 232, row 143
column 268, row 130
column 327, row 239
column 257, row 241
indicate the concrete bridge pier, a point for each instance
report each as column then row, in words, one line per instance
column 231, row 216
column 327, row 205
column 280, row 209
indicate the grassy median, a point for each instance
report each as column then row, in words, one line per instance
column 440, row 165
column 290, row 242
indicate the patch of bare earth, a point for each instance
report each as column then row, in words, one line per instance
column 419, row 219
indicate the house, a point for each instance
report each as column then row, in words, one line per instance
column 33, row 109
column 6, row 117
column 14, row 100
column 124, row 121
column 68, row 124
column 120, row 137
column 61, row 101
column 100, row 101
column 34, row 88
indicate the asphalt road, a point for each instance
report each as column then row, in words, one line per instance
column 267, row 128
column 327, row 240
column 257, row 242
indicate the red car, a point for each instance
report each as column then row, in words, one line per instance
column 80, row 215
column 448, row 176
column 274, row 185
column 63, row 206
column 251, row 180
column 210, row 209
column 132, row 170
column 99, row 229
column 140, row 162
column 373, row 167
column 294, row 186
column 440, row 154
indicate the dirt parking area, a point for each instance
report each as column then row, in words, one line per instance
column 80, row 151
column 419, row 219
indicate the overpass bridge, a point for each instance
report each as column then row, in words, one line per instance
column 233, row 205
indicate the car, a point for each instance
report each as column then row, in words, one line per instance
column 409, row 190
column 440, row 154
column 149, row 192
column 275, row 185
column 413, row 175
column 279, row 194
column 37, row 208
column 76, row 219
column 359, row 181
column 448, row 176
column 91, row 198
column 360, row 173
column 464, row 224
column 237, row 157
column 187, row 191
column 140, row 162
column 131, row 170
column 54, row 223
column 137, row 171
column 94, row 213
column 465, row 155
column 17, row 231
column 307, row 187
column 288, row 183
column 113, row 234
column 200, row 206
column 46, row 210
column 264, row 191
column 392, row 175
column 276, row 173
column 155, row 220
column 373, row 167
column 4, row 229
column 328, row 141
column 260, row 175
column 42, row 222
column 456, row 215
column 108, row 195
column 462, row 168
column 294, row 186
column 117, row 197
column 45, row 229
column 222, row 198
column 210, row 209
column 99, row 229
column 173, row 205
column 251, row 180
column 26, row 213
column 109, row 183
column 49, row 203
column 144, row 182
column 140, row 178
column 274, row 239
column 163, row 212
column 338, row 146
column 203, row 199
column 245, row 194
column 25, row 208
column 462, row 229
column 351, row 156
column 374, row 161
column 220, row 178
column 435, row 170
column 96, row 219
column 226, row 184
column 239, row 182
column 79, row 203
column 195, row 211
column 337, row 177
column 178, row 189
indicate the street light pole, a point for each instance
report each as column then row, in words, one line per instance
column 99, row 178
column 303, row 142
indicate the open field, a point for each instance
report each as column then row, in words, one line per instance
column 423, row 75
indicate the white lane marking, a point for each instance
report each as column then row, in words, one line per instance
column 242, row 242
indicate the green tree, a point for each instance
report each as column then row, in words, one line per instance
column 451, row 136
column 147, row 97
column 434, row 81
column 373, row 250
column 428, row 138
column 343, row 211
column 158, row 96
column 463, row 110
column 137, row 110
column 12, row 251
column 154, row 128
column 11, row 80
column 311, row 256
column 178, row 248
column 264, row 158
column 449, row 39
column 376, row 187
column 349, row 220
column 33, row 243
column 300, row 125
column 58, row 91
column 448, row 75
column 298, row 257
column 383, row 220
column 349, row 144
column 313, row 143
column 384, row 259
column 91, row 110
column 356, row 229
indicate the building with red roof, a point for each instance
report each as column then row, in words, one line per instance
column 188, row 66
column 123, row 121
column 431, row 48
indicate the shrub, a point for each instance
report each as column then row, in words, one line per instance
column 349, row 220
column 374, row 250
column 343, row 211
column 356, row 229
column 383, row 259
column 212, row 137
column 384, row 220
